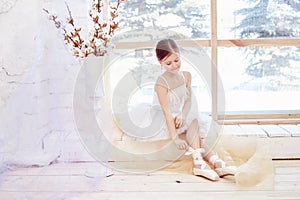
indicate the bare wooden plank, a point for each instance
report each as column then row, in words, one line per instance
column 283, row 167
column 135, row 195
column 49, row 184
column 286, row 163
column 275, row 131
column 249, row 115
column 158, row 176
column 287, row 170
column 287, row 177
column 36, row 195
column 233, row 130
column 294, row 130
column 149, row 195
column 287, row 186
column 60, row 169
column 117, row 184
column 165, row 178
column 81, row 184
column 67, row 169
column 262, row 121
column 253, row 130
column 176, row 195
column 280, row 195
column 283, row 147
column 168, row 187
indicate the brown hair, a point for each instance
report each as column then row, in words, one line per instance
column 165, row 47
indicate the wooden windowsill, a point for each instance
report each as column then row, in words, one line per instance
column 292, row 121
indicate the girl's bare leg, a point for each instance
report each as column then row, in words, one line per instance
column 192, row 135
column 201, row 168
column 220, row 166
column 194, row 139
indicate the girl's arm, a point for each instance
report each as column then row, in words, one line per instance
column 179, row 119
column 187, row 103
column 162, row 94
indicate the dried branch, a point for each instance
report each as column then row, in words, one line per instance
column 70, row 19
column 103, row 29
column 57, row 23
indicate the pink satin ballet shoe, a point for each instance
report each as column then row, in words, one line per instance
column 202, row 168
column 224, row 170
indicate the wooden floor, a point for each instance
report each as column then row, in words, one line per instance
column 68, row 181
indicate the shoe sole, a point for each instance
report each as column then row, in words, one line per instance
column 208, row 174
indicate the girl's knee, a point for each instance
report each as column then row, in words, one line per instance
column 193, row 130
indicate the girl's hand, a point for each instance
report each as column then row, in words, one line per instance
column 178, row 121
column 181, row 144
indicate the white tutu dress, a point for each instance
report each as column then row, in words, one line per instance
column 143, row 114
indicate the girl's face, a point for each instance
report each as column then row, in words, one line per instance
column 171, row 63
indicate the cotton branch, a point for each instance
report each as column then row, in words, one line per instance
column 102, row 31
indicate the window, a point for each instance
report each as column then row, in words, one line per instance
column 261, row 83
column 253, row 44
column 142, row 69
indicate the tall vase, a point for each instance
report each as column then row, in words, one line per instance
column 88, row 104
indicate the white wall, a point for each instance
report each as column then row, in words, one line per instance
column 37, row 76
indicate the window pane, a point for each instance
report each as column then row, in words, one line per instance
column 260, row 78
column 258, row 19
column 184, row 18
column 143, row 67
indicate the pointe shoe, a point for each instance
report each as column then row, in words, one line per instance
column 204, row 170
column 224, row 170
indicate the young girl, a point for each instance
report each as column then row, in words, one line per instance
column 173, row 92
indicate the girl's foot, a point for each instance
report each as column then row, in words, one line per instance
column 201, row 168
column 221, row 167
